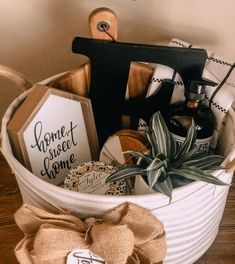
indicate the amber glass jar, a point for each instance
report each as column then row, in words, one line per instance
column 179, row 117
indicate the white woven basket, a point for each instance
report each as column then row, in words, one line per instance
column 191, row 220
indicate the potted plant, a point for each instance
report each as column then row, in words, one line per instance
column 169, row 165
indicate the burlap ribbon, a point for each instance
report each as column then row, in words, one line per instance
column 128, row 234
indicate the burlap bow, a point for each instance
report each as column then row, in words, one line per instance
column 128, row 234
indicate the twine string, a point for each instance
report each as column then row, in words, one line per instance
column 103, row 26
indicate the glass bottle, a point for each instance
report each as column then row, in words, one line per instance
column 179, row 116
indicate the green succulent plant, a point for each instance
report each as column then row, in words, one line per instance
column 169, row 165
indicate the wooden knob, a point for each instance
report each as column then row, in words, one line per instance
column 103, row 24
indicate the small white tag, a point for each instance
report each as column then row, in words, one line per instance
column 84, row 256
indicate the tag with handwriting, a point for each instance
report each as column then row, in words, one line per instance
column 84, row 256
column 90, row 177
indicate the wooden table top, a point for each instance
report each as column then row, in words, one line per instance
column 221, row 252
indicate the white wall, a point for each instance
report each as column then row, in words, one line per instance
column 36, row 35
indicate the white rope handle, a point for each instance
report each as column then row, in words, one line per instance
column 15, row 76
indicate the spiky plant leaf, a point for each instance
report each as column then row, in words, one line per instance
column 173, row 148
column 206, row 163
column 164, row 187
column 196, row 174
column 185, row 157
column 156, row 172
column 212, row 169
column 153, row 176
column 189, row 142
column 165, row 143
column 126, row 172
column 151, row 139
column 156, row 164
column 146, row 157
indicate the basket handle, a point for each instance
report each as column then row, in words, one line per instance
column 18, row 79
column 15, row 76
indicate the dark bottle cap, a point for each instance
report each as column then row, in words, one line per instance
column 197, row 88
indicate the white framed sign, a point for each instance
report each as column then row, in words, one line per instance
column 53, row 131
